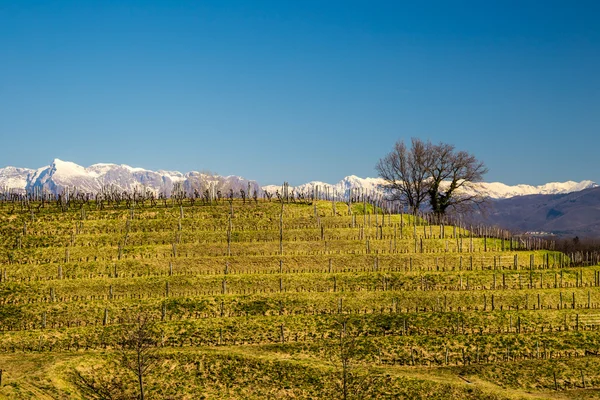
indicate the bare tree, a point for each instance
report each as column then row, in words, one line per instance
column 450, row 172
column 139, row 344
column 438, row 172
column 137, row 355
column 343, row 354
column 405, row 171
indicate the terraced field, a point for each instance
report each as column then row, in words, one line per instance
column 264, row 299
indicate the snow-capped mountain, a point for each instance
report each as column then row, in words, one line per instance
column 11, row 177
column 342, row 188
column 494, row 190
column 60, row 175
column 497, row 190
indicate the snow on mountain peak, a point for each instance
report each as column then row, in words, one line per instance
column 494, row 190
column 67, row 169
column 498, row 190
column 61, row 175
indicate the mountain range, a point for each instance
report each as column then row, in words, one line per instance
column 60, row 175
column 493, row 190
column 564, row 208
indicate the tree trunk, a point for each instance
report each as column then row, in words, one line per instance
column 140, row 374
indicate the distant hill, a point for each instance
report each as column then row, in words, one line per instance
column 572, row 214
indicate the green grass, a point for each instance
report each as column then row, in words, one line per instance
column 433, row 310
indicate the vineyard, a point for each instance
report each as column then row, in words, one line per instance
column 274, row 298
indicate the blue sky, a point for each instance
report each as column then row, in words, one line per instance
column 301, row 90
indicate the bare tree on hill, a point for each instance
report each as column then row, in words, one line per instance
column 437, row 172
column 138, row 343
column 449, row 172
column 405, row 171
column 344, row 353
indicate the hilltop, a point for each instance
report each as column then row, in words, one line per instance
column 506, row 206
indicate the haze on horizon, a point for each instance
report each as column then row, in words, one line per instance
column 302, row 91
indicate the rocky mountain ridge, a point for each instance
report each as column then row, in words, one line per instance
column 60, row 175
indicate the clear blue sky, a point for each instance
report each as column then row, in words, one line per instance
column 301, row 90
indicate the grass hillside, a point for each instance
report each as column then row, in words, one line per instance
column 260, row 299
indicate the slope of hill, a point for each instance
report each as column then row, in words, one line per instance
column 255, row 300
